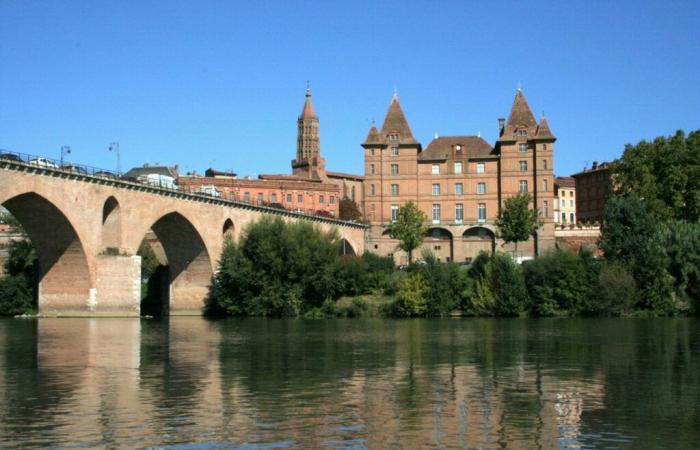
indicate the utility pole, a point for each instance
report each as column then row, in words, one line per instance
column 65, row 150
column 114, row 147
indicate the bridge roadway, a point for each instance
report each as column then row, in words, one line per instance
column 87, row 230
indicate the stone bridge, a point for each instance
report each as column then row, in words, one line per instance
column 87, row 230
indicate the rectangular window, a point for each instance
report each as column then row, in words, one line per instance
column 481, row 188
column 459, row 189
column 544, row 164
column 523, row 166
column 371, row 152
column 523, row 185
column 571, row 204
column 545, row 185
column 394, row 151
column 480, row 167
column 273, row 198
column 289, row 198
column 394, row 169
column 436, row 189
column 332, row 199
column 563, row 203
column 320, row 199
column 246, row 197
column 394, row 213
column 260, row 197
column 394, row 189
column 458, row 167
column 546, row 209
column 544, row 147
column 300, row 198
column 371, row 169
column 372, row 190
column 435, row 169
column 482, row 212
column 459, row 213
column 571, row 193
column 522, row 148
column 436, row 213
column 571, row 216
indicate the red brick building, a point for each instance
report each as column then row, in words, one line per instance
column 309, row 189
column 459, row 182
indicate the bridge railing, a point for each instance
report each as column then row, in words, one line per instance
column 55, row 164
column 82, row 169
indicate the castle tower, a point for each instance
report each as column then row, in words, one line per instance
column 526, row 150
column 308, row 161
column 391, row 156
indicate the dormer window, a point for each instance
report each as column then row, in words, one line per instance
column 393, row 137
column 521, row 133
column 458, row 149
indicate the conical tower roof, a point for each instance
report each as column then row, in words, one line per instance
column 520, row 114
column 395, row 123
column 373, row 136
column 307, row 111
column 543, row 130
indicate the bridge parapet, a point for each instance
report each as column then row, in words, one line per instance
column 81, row 220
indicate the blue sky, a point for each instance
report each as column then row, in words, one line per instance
column 221, row 83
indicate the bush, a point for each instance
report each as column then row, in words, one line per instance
column 278, row 269
column 615, row 292
column 557, row 281
column 17, row 288
column 16, row 296
column 447, row 286
column 411, row 298
column 499, row 288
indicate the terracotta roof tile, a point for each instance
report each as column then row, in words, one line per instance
column 395, row 123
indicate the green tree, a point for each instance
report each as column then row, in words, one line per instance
column 409, row 229
column 17, row 293
column 348, row 210
column 665, row 173
column 558, row 281
column 277, row 269
column 631, row 235
column 517, row 222
column 9, row 219
column 411, row 298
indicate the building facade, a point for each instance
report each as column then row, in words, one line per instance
column 459, row 182
column 593, row 186
column 565, row 200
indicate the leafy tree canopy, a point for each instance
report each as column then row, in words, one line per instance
column 348, row 210
column 409, row 229
column 665, row 173
column 517, row 222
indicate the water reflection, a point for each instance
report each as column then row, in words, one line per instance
column 353, row 383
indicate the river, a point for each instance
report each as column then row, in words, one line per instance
column 450, row 383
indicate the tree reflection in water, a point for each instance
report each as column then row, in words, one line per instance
column 375, row 383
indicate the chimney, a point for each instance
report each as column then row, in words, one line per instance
column 501, row 124
column 595, row 165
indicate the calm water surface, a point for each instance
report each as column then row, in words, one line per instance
column 192, row 383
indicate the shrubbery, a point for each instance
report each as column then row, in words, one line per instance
column 17, row 293
column 287, row 269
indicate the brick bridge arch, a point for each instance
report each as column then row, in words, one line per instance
column 87, row 230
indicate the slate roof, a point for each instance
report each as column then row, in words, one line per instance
column 444, row 147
